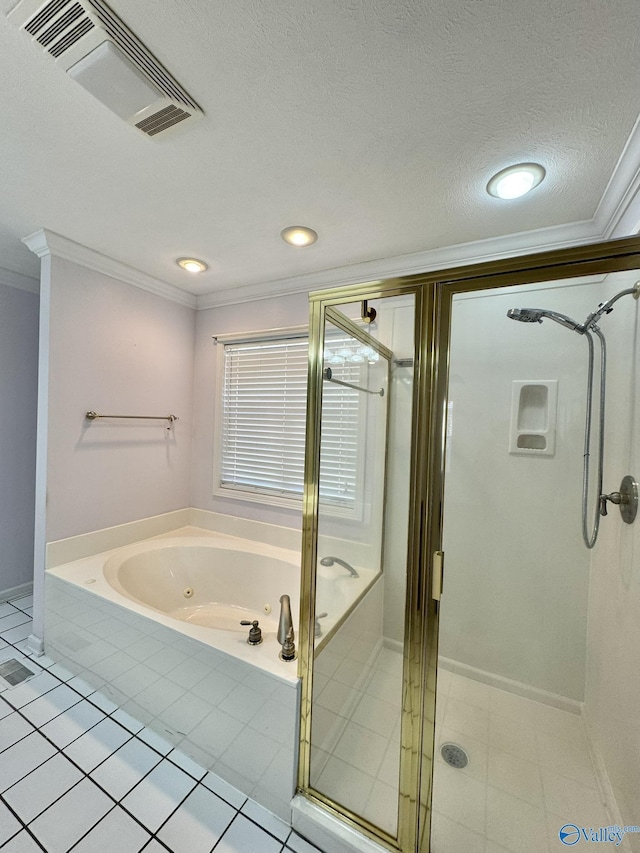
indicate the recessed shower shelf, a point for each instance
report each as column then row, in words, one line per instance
column 533, row 417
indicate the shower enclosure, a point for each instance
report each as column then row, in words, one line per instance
column 449, row 519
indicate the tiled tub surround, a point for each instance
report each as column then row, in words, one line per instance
column 235, row 718
column 76, row 773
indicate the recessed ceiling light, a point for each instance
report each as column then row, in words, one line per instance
column 516, row 180
column 299, row 235
column 192, row 264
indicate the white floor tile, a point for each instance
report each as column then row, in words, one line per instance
column 23, row 757
column 376, row 715
column 467, row 719
column 93, row 747
column 243, row 836
column 154, row 740
column 12, row 729
column 19, row 633
column 23, row 601
column 299, row 844
column 460, row 798
column 8, row 824
column 103, row 702
column 520, row 778
column 5, row 708
column 513, row 737
column 159, row 793
column 184, row 762
column 223, row 789
column 202, row 819
column 266, row 819
column 22, row 843
column 345, row 784
column 6, row 609
column 39, row 789
column 362, row 748
column 566, row 758
column 382, row 807
column 80, row 686
column 514, row 824
column 117, row 832
column 251, row 753
column 472, row 692
column 447, row 836
column 125, row 768
column 68, row 819
column 55, row 702
column 572, row 801
column 126, row 720
column 12, row 620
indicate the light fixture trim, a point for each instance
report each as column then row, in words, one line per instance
column 299, row 236
column 192, row 265
column 516, row 181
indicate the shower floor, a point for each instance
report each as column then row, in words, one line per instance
column 529, row 772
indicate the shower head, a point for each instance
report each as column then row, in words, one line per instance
column 536, row 315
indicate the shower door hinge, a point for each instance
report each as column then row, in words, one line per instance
column 438, row 570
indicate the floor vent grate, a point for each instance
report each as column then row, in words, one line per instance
column 13, row 672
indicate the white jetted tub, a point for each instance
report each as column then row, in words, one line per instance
column 202, row 584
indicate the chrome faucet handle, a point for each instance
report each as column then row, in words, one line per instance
column 318, row 627
column 255, row 632
column 614, row 497
column 288, row 647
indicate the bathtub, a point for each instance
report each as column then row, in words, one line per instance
column 202, row 584
column 155, row 627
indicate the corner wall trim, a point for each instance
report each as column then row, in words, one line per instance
column 44, row 242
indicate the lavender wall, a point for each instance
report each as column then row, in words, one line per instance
column 115, row 349
column 18, row 393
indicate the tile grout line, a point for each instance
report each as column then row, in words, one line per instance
column 87, row 775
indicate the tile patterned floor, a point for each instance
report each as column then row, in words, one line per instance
column 529, row 772
column 77, row 773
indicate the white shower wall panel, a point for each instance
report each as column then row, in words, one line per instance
column 516, row 570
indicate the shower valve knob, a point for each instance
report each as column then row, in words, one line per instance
column 614, row 497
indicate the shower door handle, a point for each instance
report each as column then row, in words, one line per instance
column 438, row 572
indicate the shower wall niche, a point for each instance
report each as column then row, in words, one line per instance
column 533, row 416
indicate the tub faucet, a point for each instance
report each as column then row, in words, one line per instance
column 329, row 561
column 285, row 630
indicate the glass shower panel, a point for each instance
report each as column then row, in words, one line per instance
column 518, row 665
column 366, row 409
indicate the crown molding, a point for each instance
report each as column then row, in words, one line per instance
column 45, row 242
column 617, row 215
column 462, row 254
column 19, row 281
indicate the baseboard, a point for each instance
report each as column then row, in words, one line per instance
column 604, row 783
column 511, row 686
column 394, row 645
column 16, row 591
column 35, row 645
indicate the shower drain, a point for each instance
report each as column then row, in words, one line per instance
column 454, row 755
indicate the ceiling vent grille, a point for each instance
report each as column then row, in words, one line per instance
column 101, row 53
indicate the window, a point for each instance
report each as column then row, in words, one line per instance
column 264, row 402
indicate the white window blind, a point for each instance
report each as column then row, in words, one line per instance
column 264, row 416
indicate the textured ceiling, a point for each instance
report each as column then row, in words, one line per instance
column 376, row 123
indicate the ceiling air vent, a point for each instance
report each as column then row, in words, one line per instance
column 96, row 49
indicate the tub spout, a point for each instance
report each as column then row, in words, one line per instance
column 285, row 630
column 329, row 561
